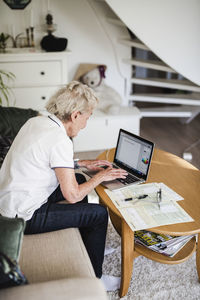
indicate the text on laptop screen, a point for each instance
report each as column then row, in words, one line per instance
column 133, row 153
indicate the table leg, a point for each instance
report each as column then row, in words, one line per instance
column 198, row 256
column 127, row 249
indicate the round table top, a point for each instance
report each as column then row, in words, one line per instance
column 179, row 175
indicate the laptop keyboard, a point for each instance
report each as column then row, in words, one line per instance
column 128, row 180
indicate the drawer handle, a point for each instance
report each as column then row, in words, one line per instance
column 43, row 97
column 42, row 73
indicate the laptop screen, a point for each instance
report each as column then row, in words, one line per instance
column 133, row 153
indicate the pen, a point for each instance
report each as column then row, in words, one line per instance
column 128, row 199
column 159, row 197
column 139, row 197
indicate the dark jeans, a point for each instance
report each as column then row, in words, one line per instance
column 91, row 219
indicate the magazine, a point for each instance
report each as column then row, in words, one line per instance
column 161, row 243
column 172, row 250
column 149, row 238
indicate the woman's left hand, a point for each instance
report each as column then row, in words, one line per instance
column 94, row 164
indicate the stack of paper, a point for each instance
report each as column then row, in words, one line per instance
column 146, row 213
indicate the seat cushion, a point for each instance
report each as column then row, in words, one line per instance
column 64, row 289
column 55, row 255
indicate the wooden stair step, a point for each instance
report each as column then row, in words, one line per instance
column 149, row 64
column 186, row 99
column 185, row 85
column 133, row 43
column 170, row 111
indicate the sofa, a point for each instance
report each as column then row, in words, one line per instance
column 56, row 264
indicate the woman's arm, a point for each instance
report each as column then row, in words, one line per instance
column 94, row 164
column 74, row 192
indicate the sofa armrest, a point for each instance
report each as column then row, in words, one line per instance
column 70, row 289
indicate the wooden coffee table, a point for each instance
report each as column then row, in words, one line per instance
column 183, row 178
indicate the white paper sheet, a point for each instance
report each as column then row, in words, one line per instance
column 146, row 213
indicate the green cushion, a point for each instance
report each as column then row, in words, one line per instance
column 11, row 235
column 13, row 118
column 5, row 143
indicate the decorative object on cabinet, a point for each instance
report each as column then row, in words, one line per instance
column 17, row 4
column 49, row 42
column 3, row 38
column 93, row 75
column 15, row 39
column 30, row 37
column 32, row 43
column 4, row 88
column 38, row 75
column 24, row 39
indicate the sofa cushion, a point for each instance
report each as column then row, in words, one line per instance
column 10, row 273
column 5, row 143
column 55, row 255
column 70, row 289
column 11, row 235
column 12, row 119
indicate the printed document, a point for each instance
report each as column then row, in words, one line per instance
column 146, row 213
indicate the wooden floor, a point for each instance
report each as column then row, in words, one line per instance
column 168, row 134
column 171, row 135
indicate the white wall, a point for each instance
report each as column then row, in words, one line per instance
column 83, row 23
column 170, row 28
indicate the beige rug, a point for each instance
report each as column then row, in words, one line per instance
column 152, row 280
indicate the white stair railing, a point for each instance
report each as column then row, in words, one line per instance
column 187, row 95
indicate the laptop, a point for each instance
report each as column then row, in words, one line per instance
column 133, row 154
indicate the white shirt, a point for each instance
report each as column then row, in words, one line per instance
column 27, row 176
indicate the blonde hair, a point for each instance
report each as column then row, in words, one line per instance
column 74, row 97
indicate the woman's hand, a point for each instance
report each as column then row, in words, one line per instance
column 110, row 174
column 104, row 174
column 94, row 164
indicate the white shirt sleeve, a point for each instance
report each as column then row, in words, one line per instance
column 62, row 155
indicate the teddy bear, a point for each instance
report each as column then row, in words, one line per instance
column 93, row 75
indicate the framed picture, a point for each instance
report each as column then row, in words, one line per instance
column 17, row 4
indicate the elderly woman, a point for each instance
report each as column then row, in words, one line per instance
column 38, row 172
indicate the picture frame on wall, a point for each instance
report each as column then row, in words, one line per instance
column 17, row 4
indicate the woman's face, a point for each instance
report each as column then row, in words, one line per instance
column 79, row 121
column 83, row 117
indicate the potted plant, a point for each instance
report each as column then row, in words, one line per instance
column 5, row 90
column 3, row 38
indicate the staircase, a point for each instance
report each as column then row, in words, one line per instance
column 176, row 95
column 185, row 99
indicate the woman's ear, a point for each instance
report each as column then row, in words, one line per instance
column 75, row 115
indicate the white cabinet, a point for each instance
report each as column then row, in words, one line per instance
column 40, row 74
column 102, row 129
column 32, row 97
column 37, row 76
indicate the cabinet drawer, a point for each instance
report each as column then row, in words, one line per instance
column 35, row 98
column 36, row 73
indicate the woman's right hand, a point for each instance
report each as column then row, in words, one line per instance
column 110, row 174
